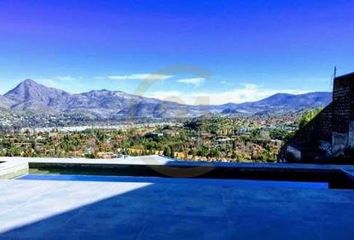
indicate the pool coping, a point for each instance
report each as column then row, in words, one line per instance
column 342, row 176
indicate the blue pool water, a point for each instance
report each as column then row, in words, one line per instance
column 248, row 183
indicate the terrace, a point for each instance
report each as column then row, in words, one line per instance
column 132, row 198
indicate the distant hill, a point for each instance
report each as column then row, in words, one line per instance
column 5, row 102
column 31, row 96
column 282, row 103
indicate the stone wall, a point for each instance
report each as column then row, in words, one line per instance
column 331, row 134
column 313, row 141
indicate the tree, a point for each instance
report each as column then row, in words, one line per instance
column 308, row 117
column 215, row 153
column 278, row 133
column 168, row 152
column 255, row 134
column 192, row 152
column 203, row 151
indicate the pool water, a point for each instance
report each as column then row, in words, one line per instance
column 248, row 183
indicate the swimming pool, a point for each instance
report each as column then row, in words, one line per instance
column 252, row 174
column 233, row 182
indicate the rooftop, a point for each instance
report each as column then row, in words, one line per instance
column 89, row 207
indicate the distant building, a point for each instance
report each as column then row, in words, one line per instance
column 241, row 131
column 107, row 155
column 222, row 142
column 154, row 135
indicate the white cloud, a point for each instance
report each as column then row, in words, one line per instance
column 246, row 93
column 141, row 77
column 197, row 81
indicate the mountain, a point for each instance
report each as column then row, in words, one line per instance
column 103, row 104
column 5, row 102
column 30, row 95
column 282, row 103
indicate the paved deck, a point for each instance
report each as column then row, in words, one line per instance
column 137, row 208
column 12, row 168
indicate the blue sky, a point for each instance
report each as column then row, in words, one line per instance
column 223, row 51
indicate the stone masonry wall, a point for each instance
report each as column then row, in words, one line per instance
column 305, row 143
column 331, row 134
column 341, row 105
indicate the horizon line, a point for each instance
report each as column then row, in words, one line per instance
column 299, row 93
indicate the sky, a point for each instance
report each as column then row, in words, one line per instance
column 182, row 50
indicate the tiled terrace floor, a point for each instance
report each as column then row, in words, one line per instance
column 137, row 208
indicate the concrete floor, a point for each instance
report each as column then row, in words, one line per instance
column 137, row 208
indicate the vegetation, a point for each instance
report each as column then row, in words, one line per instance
column 202, row 139
column 308, row 116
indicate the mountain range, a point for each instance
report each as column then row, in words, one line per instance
column 102, row 104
